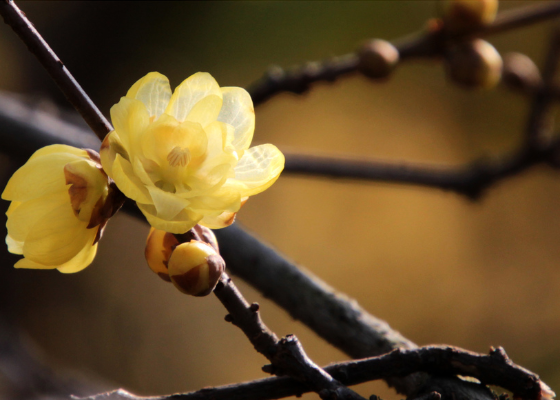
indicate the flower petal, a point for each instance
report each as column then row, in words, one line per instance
column 237, row 111
column 22, row 220
column 39, row 176
column 82, row 259
column 206, row 110
column 167, row 205
column 178, row 226
column 14, row 246
column 130, row 118
column 154, row 91
column 128, row 182
column 221, row 221
column 191, row 91
column 257, row 170
column 56, row 238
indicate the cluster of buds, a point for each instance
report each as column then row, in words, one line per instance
column 191, row 261
column 472, row 63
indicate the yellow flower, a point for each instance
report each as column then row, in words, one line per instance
column 185, row 157
column 58, row 209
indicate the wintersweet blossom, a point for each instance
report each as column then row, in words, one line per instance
column 58, row 209
column 184, row 157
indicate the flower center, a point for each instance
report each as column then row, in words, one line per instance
column 179, row 157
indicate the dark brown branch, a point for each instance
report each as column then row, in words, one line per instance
column 14, row 17
column 493, row 369
column 424, row 44
column 470, row 180
column 286, row 355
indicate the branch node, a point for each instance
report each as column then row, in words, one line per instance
column 228, row 318
column 499, row 353
column 254, row 307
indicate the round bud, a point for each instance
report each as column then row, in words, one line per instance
column 159, row 246
column 377, row 59
column 475, row 64
column 195, row 268
column 462, row 15
column 520, row 72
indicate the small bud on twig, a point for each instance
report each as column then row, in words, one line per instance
column 195, row 268
column 377, row 59
column 463, row 15
column 520, row 72
column 159, row 246
column 475, row 64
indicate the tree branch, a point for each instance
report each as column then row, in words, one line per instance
column 299, row 79
column 493, row 369
column 15, row 18
column 286, row 355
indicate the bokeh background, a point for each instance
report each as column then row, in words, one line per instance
column 437, row 267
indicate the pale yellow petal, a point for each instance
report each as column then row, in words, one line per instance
column 56, row 238
column 154, row 91
column 24, row 263
column 130, row 118
column 168, row 205
column 128, row 182
column 14, row 246
column 206, row 110
column 177, row 226
column 257, row 170
column 191, row 91
column 220, row 200
column 83, row 259
column 59, row 148
column 237, row 111
column 39, row 176
column 223, row 220
column 22, row 220
column 110, row 147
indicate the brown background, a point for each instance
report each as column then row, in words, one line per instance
column 437, row 267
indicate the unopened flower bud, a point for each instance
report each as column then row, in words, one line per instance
column 195, row 268
column 475, row 64
column 377, row 59
column 159, row 246
column 462, row 15
column 520, row 72
column 546, row 392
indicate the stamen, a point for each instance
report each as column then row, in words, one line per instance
column 179, row 157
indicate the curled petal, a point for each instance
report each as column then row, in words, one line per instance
column 184, row 221
column 153, row 91
column 191, row 91
column 238, row 111
column 223, row 220
column 257, row 170
column 128, row 182
column 167, row 204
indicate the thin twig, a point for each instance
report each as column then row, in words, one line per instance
column 286, row 355
column 470, row 180
column 492, row 369
column 424, row 44
column 14, row 17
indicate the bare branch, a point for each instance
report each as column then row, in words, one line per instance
column 286, row 355
column 424, row 44
column 493, row 369
column 470, row 180
column 14, row 17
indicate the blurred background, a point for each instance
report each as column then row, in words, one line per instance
column 437, row 267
